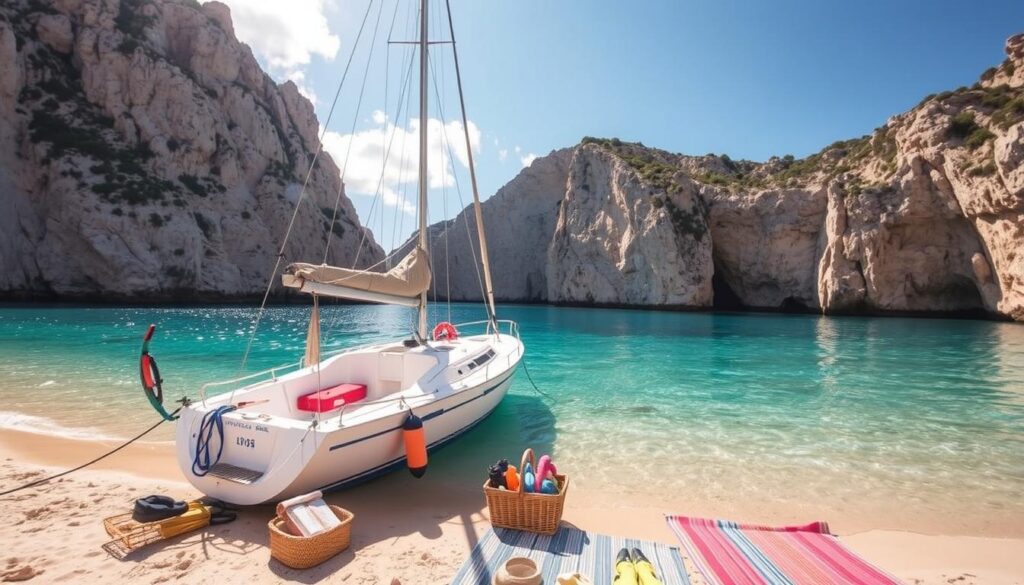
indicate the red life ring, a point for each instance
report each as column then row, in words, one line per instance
column 445, row 330
column 150, row 374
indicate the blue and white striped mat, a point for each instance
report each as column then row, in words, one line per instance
column 570, row 550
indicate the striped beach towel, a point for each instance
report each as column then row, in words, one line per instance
column 747, row 554
column 570, row 550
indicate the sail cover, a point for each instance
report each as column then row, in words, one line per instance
column 313, row 335
column 408, row 279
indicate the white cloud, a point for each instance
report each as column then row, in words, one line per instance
column 527, row 159
column 502, row 154
column 365, row 150
column 379, row 117
column 285, row 34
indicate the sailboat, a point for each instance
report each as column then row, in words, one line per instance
column 334, row 420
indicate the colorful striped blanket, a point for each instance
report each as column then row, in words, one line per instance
column 727, row 553
column 570, row 550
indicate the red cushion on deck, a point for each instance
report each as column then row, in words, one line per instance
column 330, row 398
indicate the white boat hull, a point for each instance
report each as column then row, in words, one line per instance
column 336, row 450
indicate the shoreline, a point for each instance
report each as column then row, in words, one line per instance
column 102, row 302
column 154, row 456
column 417, row 532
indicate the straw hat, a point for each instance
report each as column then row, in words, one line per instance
column 518, row 571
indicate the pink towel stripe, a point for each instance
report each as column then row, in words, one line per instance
column 749, row 554
column 691, row 551
column 861, row 573
column 790, row 558
column 741, row 571
column 720, row 562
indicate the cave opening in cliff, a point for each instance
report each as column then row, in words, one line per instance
column 793, row 305
column 724, row 298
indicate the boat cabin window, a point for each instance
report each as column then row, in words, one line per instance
column 479, row 361
column 484, row 358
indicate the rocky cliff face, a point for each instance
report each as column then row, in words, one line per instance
column 144, row 154
column 924, row 214
column 520, row 221
column 621, row 239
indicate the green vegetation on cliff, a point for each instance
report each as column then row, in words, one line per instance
column 975, row 113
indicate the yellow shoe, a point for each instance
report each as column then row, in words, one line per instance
column 625, row 572
column 644, row 569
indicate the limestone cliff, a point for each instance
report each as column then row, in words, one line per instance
column 520, row 221
column 144, row 154
column 922, row 215
column 621, row 239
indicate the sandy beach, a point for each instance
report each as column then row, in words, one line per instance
column 413, row 531
column 748, row 274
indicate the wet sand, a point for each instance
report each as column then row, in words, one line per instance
column 415, row 531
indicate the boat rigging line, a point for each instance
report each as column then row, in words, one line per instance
column 402, row 105
column 532, row 383
column 352, row 133
column 472, row 175
column 483, row 282
column 458, row 191
column 380, row 182
column 302, row 193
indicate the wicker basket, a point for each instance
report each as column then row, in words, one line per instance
column 519, row 510
column 303, row 552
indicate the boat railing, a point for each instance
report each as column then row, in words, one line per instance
column 271, row 374
column 513, row 329
column 492, row 326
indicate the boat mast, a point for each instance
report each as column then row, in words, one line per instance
column 422, row 323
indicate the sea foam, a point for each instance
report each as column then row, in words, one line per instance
column 41, row 425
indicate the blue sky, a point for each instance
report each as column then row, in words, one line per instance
column 747, row 78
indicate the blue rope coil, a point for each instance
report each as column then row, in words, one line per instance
column 212, row 421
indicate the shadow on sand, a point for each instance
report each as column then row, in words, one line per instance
column 449, row 497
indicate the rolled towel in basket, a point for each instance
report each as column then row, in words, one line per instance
column 307, row 514
column 303, row 499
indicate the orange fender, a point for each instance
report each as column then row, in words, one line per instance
column 415, row 445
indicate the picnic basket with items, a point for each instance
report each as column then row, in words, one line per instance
column 529, row 498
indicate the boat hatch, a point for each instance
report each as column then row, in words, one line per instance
column 479, row 361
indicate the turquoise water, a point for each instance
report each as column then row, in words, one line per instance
column 887, row 422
